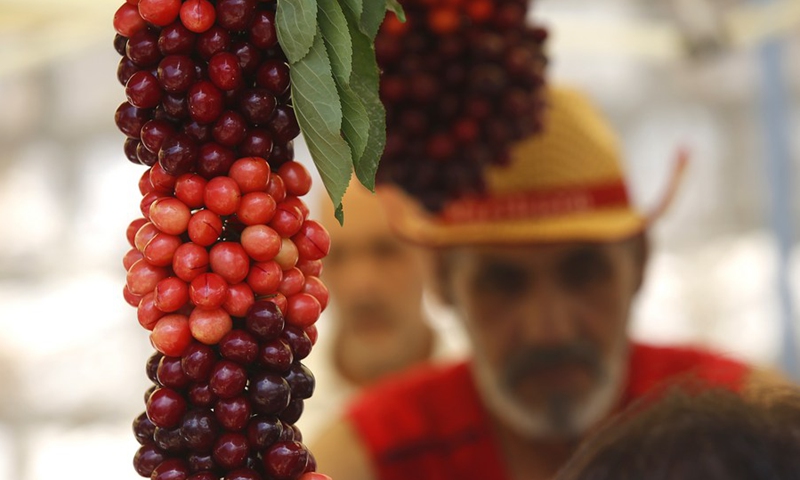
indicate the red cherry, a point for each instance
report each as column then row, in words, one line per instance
column 256, row 208
column 299, row 203
column 159, row 12
column 142, row 90
column 145, row 233
column 262, row 30
column 147, row 200
column 190, row 260
column 131, row 257
column 205, row 227
column 222, row 195
column 261, row 242
column 239, row 300
column 143, row 277
column 171, row 335
column 292, row 282
column 162, row 181
column 230, row 450
column 153, row 134
column 190, row 188
column 444, row 20
column 229, row 260
column 165, row 408
column 145, row 186
column 208, row 290
column 224, row 71
column 276, row 188
column 205, row 102
column 160, row 250
column 310, row 268
column 314, row 287
column 279, row 300
column 312, row 333
column 209, row 326
column 286, row 460
column 134, row 227
column 265, row 277
column 252, row 174
column 147, row 313
column 296, row 177
column 127, row 20
column 170, row 215
column 393, row 26
column 131, row 299
column 287, row 220
column 302, row 310
column 198, row 15
column 171, row 294
column 480, row 10
column 313, row 241
column 287, row 256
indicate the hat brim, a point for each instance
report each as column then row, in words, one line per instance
column 413, row 223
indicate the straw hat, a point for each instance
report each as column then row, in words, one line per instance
column 565, row 184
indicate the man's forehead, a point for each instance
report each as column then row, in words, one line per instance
column 533, row 253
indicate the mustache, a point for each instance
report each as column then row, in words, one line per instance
column 531, row 360
column 367, row 308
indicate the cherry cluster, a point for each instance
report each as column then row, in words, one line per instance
column 224, row 263
column 229, row 410
column 225, row 274
column 205, row 250
column 462, row 81
column 206, row 83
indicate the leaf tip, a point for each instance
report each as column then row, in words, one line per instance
column 395, row 7
column 339, row 214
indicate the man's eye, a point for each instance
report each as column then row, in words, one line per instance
column 502, row 279
column 385, row 250
column 584, row 269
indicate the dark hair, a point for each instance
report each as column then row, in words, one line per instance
column 711, row 435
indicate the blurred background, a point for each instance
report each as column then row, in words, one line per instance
column 720, row 78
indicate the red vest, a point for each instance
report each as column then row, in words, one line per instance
column 430, row 423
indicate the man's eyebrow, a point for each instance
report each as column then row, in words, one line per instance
column 584, row 250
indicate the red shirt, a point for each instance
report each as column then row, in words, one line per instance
column 431, row 424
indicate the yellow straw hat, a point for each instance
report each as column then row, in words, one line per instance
column 565, row 184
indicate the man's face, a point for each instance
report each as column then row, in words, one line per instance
column 375, row 281
column 547, row 325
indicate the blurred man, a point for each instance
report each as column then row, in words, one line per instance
column 379, row 323
column 542, row 271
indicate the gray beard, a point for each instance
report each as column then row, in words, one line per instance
column 563, row 416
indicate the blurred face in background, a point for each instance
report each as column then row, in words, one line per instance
column 375, row 280
column 548, row 329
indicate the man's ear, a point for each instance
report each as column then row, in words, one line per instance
column 439, row 274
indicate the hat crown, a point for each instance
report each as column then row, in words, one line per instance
column 577, row 148
column 563, row 184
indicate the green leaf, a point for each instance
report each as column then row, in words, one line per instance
column 355, row 7
column 296, row 24
column 333, row 25
column 355, row 122
column 339, row 214
column 394, row 6
column 319, row 113
column 372, row 17
column 364, row 83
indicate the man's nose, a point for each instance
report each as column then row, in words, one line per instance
column 546, row 317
